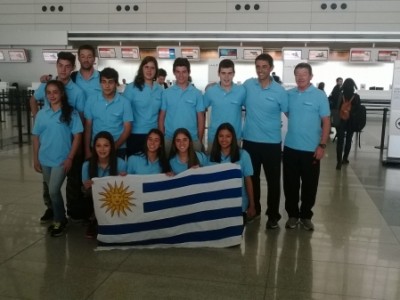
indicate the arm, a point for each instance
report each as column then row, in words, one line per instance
column 251, row 210
column 326, row 127
column 34, row 107
column 36, row 145
column 161, row 120
column 75, row 146
column 124, row 135
column 87, row 138
column 201, row 125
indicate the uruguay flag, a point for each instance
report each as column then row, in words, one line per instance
column 197, row 208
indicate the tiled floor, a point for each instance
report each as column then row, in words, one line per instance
column 354, row 253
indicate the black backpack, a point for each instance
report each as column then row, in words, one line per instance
column 359, row 118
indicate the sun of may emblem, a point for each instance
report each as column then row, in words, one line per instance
column 117, row 199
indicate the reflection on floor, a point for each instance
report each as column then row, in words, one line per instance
column 354, row 253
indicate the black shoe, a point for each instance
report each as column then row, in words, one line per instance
column 272, row 224
column 345, row 161
column 51, row 227
column 338, row 166
column 58, row 229
column 47, row 216
column 91, row 230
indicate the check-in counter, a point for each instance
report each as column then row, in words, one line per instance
column 376, row 98
column 4, row 86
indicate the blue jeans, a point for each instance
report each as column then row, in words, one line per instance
column 54, row 178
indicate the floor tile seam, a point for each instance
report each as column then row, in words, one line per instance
column 168, row 275
column 91, row 294
column 13, row 257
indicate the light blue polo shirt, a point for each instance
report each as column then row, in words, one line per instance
column 76, row 96
column 91, row 86
column 55, row 137
column 247, row 170
column 121, row 167
column 304, row 123
column 145, row 105
column 178, row 167
column 139, row 164
column 181, row 107
column 108, row 115
column 263, row 111
column 226, row 107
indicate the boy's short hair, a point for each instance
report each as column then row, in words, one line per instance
column 66, row 56
column 303, row 66
column 109, row 73
column 181, row 62
column 266, row 57
column 226, row 63
column 162, row 72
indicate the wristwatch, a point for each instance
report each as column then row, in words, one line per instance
column 323, row 146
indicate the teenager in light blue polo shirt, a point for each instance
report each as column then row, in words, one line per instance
column 144, row 95
column 265, row 102
column 153, row 159
column 108, row 111
column 305, row 145
column 182, row 107
column 183, row 156
column 54, row 149
column 225, row 149
column 226, row 100
column 103, row 162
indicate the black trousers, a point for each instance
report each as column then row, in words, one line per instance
column 269, row 156
column 344, row 139
column 300, row 182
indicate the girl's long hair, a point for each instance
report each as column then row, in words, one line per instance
column 66, row 108
column 192, row 159
column 348, row 88
column 139, row 78
column 234, row 153
column 161, row 154
column 112, row 160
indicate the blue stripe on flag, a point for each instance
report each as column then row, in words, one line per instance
column 191, row 180
column 170, row 222
column 191, row 199
column 202, row 236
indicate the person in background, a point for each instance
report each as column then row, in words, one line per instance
column 225, row 149
column 144, row 96
column 182, row 107
column 77, row 206
column 265, row 101
column 108, row 111
column 348, row 102
column 57, row 135
column 276, row 78
column 225, row 100
column 183, row 155
column 161, row 76
column 321, row 86
column 152, row 159
column 103, row 162
column 304, row 148
column 334, row 95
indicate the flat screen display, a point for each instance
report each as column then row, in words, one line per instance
column 190, row 53
column 50, row 56
column 166, row 53
column 318, row 55
column 387, row 55
column 231, row 53
column 107, row 52
column 292, row 54
column 360, row 55
column 130, row 52
column 17, row 55
column 251, row 53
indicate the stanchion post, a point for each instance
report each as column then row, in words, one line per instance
column 383, row 131
column 19, row 118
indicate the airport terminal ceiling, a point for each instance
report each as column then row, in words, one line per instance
column 212, row 40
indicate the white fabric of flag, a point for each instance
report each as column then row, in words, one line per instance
column 197, row 208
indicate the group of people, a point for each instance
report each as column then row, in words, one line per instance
column 87, row 129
